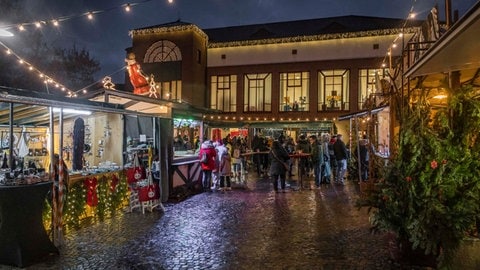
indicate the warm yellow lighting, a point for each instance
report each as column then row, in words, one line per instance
column 411, row 15
column 170, row 1
column 38, row 24
column 21, row 28
column 90, row 16
column 440, row 96
column 55, row 22
column 127, row 8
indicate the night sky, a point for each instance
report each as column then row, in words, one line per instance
column 106, row 36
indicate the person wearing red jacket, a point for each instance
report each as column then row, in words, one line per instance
column 207, row 157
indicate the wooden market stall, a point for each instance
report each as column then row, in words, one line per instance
column 88, row 137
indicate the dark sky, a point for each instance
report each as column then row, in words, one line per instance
column 106, row 36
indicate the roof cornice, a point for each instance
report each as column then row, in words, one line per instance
column 370, row 33
column 168, row 29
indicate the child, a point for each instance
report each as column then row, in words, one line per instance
column 225, row 171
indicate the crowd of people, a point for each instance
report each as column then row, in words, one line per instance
column 225, row 160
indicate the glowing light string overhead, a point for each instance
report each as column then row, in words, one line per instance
column 46, row 79
column 411, row 15
column 127, row 7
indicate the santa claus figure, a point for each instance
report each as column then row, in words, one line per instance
column 137, row 78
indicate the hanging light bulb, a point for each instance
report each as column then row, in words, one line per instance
column 127, row 7
column 90, row 16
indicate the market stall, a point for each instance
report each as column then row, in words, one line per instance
column 72, row 149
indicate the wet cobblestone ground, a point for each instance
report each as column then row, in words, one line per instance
column 247, row 228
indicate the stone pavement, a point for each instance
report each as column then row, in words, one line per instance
column 247, row 228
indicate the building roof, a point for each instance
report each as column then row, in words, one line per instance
column 311, row 27
column 288, row 31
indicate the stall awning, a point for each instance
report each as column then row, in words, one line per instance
column 31, row 108
column 457, row 49
column 149, row 105
column 362, row 113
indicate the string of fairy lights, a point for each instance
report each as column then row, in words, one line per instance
column 411, row 15
column 55, row 22
column 127, row 7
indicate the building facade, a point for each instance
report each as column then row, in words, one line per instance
column 298, row 75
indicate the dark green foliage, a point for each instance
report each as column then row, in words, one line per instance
column 429, row 194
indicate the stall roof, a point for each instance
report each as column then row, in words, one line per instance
column 146, row 104
column 363, row 113
column 31, row 108
column 457, row 49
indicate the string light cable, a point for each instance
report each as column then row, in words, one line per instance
column 46, row 78
column 127, row 7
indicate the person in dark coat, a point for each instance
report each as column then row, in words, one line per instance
column 333, row 160
column 363, row 157
column 341, row 155
column 279, row 165
column 303, row 146
column 316, row 156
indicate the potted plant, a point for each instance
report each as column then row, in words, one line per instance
column 428, row 195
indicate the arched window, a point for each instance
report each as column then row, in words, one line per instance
column 162, row 51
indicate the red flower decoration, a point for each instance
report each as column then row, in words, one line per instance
column 433, row 164
column 408, row 179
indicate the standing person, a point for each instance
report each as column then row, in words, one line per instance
column 264, row 157
column 341, row 156
column 207, row 156
column 317, row 158
column 215, row 173
column 303, row 147
column 333, row 160
column 278, row 157
column 326, row 169
column 290, row 147
column 257, row 158
column 236, row 155
column 225, row 169
column 363, row 158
